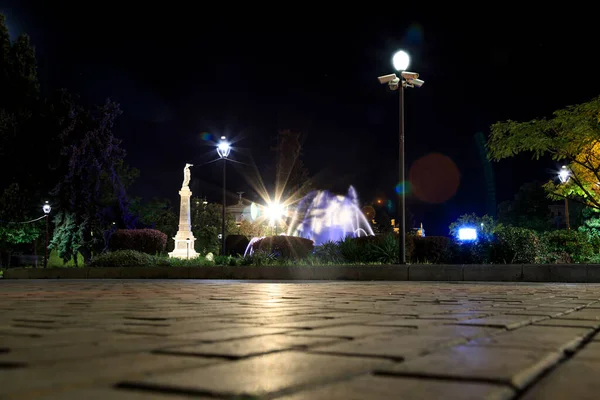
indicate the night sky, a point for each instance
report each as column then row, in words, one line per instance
column 179, row 72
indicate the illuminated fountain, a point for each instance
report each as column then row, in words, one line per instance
column 325, row 217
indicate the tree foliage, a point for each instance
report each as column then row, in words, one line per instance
column 91, row 189
column 529, row 208
column 292, row 181
column 571, row 136
column 206, row 226
column 158, row 214
column 486, row 226
column 54, row 146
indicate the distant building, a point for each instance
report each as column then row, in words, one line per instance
column 241, row 210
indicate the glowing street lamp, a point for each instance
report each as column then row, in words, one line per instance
column 275, row 212
column 46, row 208
column 564, row 176
column 223, row 150
column 401, row 61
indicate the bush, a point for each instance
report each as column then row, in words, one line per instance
column 236, row 245
column 128, row 258
column 329, row 252
column 515, row 245
column 433, row 249
column 477, row 252
column 148, row 241
column 566, row 247
column 289, row 247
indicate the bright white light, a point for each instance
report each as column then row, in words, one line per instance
column 274, row 212
column 467, row 234
column 564, row 174
column 46, row 208
column 223, row 148
column 401, row 60
column 253, row 211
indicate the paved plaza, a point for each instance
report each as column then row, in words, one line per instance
column 177, row 339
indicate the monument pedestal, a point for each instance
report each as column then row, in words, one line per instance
column 184, row 239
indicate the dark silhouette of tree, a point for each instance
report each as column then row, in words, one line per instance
column 529, row 208
column 292, row 180
column 158, row 214
column 53, row 145
column 91, row 191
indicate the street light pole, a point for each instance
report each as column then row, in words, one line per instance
column 564, row 175
column 401, row 61
column 402, row 202
column 223, row 149
column 224, row 204
column 46, row 208
column 567, row 214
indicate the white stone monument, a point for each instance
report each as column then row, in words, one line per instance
column 184, row 239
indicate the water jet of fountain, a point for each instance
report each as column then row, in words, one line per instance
column 325, row 217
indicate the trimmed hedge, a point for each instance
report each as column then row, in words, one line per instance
column 432, row 249
column 150, row 241
column 289, row 247
column 128, row 258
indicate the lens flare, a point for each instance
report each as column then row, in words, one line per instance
column 434, row 178
column 207, row 137
column 403, row 187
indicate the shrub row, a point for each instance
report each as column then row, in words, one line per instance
column 150, row 241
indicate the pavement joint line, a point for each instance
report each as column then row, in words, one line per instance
column 567, row 355
column 148, row 387
column 433, row 376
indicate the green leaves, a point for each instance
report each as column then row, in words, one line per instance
column 572, row 136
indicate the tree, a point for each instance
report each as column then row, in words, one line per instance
column 206, row 226
column 159, row 214
column 529, row 209
column 15, row 229
column 292, row 181
column 252, row 229
column 383, row 223
column 571, row 136
column 21, row 126
column 91, row 190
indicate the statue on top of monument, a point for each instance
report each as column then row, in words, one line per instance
column 186, row 175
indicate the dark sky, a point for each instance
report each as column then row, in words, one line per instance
column 180, row 71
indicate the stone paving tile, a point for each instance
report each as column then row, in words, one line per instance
column 385, row 388
column 408, row 343
column 536, row 312
column 44, row 379
column 250, row 347
column 323, row 323
column 510, row 366
column 116, row 394
column 572, row 379
column 407, row 322
column 231, row 333
column 575, row 323
column 255, row 376
column 83, row 350
column 586, row 314
column 537, row 337
column 350, row 331
column 78, row 339
column 504, row 321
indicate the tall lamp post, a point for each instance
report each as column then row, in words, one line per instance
column 401, row 61
column 564, row 176
column 46, row 208
column 223, row 150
